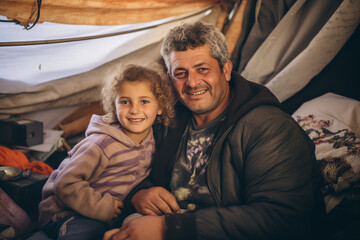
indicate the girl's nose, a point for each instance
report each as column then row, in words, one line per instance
column 134, row 109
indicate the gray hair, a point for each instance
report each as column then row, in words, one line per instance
column 193, row 35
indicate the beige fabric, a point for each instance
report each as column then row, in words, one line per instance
column 275, row 65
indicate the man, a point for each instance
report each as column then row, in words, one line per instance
column 235, row 166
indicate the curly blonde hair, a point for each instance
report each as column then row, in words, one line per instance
column 160, row 87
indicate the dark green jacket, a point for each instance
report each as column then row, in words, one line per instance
column 262, row 173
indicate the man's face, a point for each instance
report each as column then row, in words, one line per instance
column 198, row 80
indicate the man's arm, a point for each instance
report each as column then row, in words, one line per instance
column 275, row 186
column 147, row 227
column 152, row 201
column 145, row 184
column 278, row 191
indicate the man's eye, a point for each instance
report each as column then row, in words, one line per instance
column 180, row 75
column 202, row 69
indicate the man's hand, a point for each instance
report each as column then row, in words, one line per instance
column 155, row 201
column 142, row 228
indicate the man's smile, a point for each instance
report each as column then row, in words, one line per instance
column 194, row 93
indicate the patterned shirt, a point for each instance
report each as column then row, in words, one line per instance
column 188, row 182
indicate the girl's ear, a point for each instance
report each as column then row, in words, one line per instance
column 160, row 111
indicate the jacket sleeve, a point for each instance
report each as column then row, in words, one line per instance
column 274, row 171
column 72, row 183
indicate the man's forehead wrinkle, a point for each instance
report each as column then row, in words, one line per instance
column 194, row 66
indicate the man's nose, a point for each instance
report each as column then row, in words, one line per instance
column 192, row 80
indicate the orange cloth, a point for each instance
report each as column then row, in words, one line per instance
column 16, row 158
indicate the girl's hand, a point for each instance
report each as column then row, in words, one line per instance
column 118, row 206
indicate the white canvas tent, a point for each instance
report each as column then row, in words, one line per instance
column 299, row 49
column 56, row 64
column 64, row 64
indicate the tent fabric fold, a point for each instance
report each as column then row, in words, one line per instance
column 18, row 97
column 74, row 90
column 280, row 44
column 302, row 44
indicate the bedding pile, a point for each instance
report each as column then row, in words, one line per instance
column 333, row 123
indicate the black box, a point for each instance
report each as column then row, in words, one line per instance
column 21, row 132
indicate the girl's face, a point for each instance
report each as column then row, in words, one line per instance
column 136, row 109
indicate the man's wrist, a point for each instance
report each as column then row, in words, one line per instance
column 163, row 227
column 180, row 226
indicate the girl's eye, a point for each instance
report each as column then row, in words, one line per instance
column 124, row 102
column 145, row 101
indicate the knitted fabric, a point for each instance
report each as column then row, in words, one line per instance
column 16, row 158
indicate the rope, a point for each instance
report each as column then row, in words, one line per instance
column 38, row 2
column 26, row 25
column 10, row 44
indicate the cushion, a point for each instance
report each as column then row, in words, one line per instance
column 330, row 105
column 14, row 216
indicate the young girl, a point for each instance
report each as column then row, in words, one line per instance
column 84, row 195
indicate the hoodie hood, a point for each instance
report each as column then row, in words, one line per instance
column 246, row 96
column 98, row 126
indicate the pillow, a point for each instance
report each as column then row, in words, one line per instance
column 333, row 123
column 342, row 109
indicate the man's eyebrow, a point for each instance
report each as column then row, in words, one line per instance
column 179, row 68
column 200, row 64
column 195, row 66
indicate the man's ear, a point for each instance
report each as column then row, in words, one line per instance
column 228, row 66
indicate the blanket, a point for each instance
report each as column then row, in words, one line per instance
column 338, row 157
